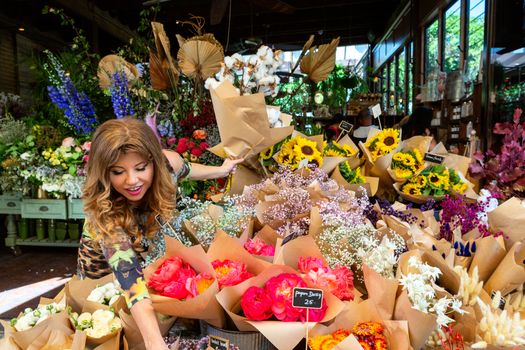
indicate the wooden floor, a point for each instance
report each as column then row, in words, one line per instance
column 38, row 271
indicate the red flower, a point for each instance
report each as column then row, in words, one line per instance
column 230, row 273
column 257, row 246
column 256, row 304
column 203, row 145
column 183, row 140
column 191, row 144
column 196, row 152
column 165, row 273
column 314, row 315
column 181, row 147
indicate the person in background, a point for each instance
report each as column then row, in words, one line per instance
column 129, row 195
column 419, row 124
column 364, row 120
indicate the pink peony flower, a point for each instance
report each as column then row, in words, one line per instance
column 86, row 146
column 338, row 281
column 196, row 152
column 257, row 246
column 314, row 315
column 198, row 284
column 176, row 290
column 345, row 283
column 280, row 290
column 171, row 141
column 305, row 264
column 256, row 304
column 230, row 273
column 165, row 273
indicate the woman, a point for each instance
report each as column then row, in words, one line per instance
column 129, row 193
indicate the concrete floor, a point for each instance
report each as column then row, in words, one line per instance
column 38, row 271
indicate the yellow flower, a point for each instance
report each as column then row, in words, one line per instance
column 316, row 160
column 398, row 157
column 286, row 155
column 402, row 173
column 306, row 148
column 412, row 189
column 349, row 150
column 421, row 181
column 331, row 152
column 408, row 160
column 445, row 181
column 435, row 180
column 267, row 153
column 389, row 138
column 460, row 187
column 419, row 157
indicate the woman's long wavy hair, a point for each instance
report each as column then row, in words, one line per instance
column 107, row 210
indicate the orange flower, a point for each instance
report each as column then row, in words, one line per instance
column 200, row 134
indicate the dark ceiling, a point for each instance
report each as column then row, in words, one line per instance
column 285, row 24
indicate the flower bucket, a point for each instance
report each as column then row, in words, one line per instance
column 23, row 229
column 243, row 340
column 73, row 230
column 40, row 229
column 61, row 230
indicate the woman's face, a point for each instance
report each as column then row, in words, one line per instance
column 131, row 176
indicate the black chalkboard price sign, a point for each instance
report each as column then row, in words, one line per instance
column 308, row 298
column 218, row 343
column 345, row 126
column 433, row 158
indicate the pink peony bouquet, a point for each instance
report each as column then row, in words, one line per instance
column 257, row 246
column 229, row 272
column 339, row 281
column 175, row 278
column 275, row 299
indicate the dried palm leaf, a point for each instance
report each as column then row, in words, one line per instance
column 162, row 44
column 159, row 75
column 200, row 58
column 319, row 62
column 306, row 46
column 111, row 64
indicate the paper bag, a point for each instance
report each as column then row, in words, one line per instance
column 509, row 218
column 284, row 335
column 489, row 253
column 203, row 306
column 510, row 272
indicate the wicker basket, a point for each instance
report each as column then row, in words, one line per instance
column 243, row 340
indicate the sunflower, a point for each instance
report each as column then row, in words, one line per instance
column 305, row 148
column 445, row 181
column 402, row 173
column 421, row 181
column 267, row 153
column 408, row 160
column 397, row 157
column 435, row 180
column 332, row 152
column 317, row 160
column 287, row 155
column 412, row 189
column 460, row 187
column 419, row 157
column 349, row 150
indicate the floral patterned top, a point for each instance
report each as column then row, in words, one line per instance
column 99, row 258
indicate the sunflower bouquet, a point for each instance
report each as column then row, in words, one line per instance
column 352, row 176
column 406, row 164
column 381, row 144
column 435, row 181
column 336, row 149
column 297, row 149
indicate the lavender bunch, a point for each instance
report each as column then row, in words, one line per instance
column 76, row 105
column 121, row 96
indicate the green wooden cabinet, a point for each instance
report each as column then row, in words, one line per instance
column 75, row 208
column 11, row 203
column 44, row 209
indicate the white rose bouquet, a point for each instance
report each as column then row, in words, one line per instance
column 105, row 294
column 97, row 324
column 31, row 318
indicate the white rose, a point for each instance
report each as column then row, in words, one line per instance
column 84, row 320
column 96, row 295
column 102, row 317
column 115, row 324
column 23, row 324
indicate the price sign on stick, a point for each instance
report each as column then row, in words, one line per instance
column 434, row 158
column 375, row 110
column 218, row 343
column 307, row 298
column 345, row 128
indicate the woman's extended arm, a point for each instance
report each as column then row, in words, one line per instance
column 144, row 316
column 199, row 171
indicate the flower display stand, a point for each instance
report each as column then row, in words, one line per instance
column 11, row 204
column 75, row 209
column 243, row 340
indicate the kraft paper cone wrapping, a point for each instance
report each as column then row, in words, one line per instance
column 38, row 336
column 370, row 186
column 316, row 222
column 132, row 332
column 463, row 261
column 77, row 291
column 421, row 143
column 303, row 246
column 381, row 291
column 420, row 324
column 203, row 306
column 489, row 253
column 330, row 163
column 510, row 272
column 7, row 342
column 243, row 177
column 415, row 199
column 509, row 218
column 349, row 343
column 402, row 228
column 284, row 335
column 448, row 278
column 225, row 247
column 402, row 265
column 397, row 335
column 466, row 324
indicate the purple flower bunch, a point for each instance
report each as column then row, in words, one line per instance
column 120, row 95
column 76, row 105
column 456, row 213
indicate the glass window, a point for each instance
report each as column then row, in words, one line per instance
column 452, row 37
column 401, row 60
column 410, row 74
column 431, row 47
column 476, row 33
column 384, row 87
column 392, row 83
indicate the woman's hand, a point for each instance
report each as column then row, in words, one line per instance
column 229, row 165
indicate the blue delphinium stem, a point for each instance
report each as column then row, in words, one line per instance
column 76, row 105
column 120, row 95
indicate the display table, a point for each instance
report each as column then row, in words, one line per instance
column 46, row 212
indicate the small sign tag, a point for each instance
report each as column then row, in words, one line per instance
column 346, row 126
column 434, row 158
column 218, row 343
column 376, row 110
column 307, row 298
column 303, row 163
